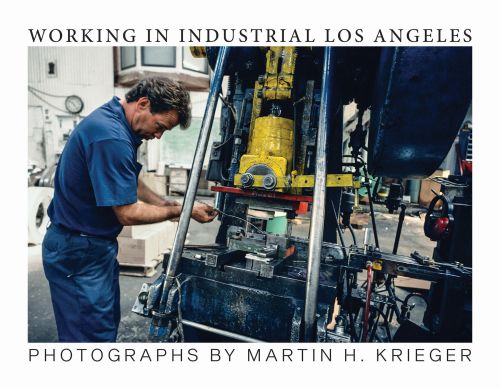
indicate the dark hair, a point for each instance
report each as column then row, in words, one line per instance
column 163, row 95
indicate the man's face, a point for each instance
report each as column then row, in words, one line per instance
column 152, row 125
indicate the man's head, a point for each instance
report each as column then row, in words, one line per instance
column 155, row 105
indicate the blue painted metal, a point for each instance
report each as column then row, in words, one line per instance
column 421, row 97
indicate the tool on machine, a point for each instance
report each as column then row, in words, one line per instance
column 281, row 155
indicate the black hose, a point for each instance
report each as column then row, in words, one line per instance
column 405, row 302
column 386, row 324
column 400, row 227
column 377, row 182
column 352, row 233
column 338, row 228
column 372, row 212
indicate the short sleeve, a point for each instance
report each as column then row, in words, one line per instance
column 113, row 172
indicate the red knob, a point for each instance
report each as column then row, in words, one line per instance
column 439, row 227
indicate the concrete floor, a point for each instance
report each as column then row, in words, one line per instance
column 134, row 328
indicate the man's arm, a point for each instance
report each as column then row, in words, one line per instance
column 144, row 193
column 142, row 213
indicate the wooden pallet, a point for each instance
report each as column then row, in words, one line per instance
column 134, row 270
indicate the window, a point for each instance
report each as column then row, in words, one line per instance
column 127, row 57
column 158, row 56
column 191, row 63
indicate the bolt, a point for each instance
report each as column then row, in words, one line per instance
column 246, row 180
column 269, row 182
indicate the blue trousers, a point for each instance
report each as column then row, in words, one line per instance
column 83, row 276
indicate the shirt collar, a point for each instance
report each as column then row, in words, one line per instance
column 118, row 109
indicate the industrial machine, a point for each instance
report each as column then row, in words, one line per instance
column 282, row 153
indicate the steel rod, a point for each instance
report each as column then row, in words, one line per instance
column 196, row 168
column 319, row 202
column 217, row 331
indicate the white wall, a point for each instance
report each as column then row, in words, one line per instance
column 83, row 71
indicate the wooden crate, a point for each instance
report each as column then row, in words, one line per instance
column 127, row 269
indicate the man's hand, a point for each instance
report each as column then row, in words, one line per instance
column 203, row 213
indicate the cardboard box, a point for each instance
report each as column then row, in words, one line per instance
column 411, row 283
column 139, row 251
column 427, row 186
column 156, row 183
column 136, row 231
column 145, row 243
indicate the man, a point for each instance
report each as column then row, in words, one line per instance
column 97, row 192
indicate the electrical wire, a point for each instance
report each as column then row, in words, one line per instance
column 46, row 102
column 225, row 142
column 405, row 302
column 236, row 217
column 386, row 325
column 227, row 104
column 338, row 228
column 367, row 304
column 180, row 327
column 46, row 93
column 349, row 226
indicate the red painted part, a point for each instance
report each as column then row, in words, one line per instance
column 439, row 227
column 303, row 207
column 262, row 194
column 300, row 202
column 466, row 167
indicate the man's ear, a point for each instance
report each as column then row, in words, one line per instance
column 143, row 103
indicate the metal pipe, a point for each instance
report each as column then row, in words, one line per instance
column 400, row 227
column 217, row 331
column 199, row 156
column 319, row 199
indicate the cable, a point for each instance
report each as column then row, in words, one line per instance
column 349, row 226
column 46, row 102
column 338, row 228
column 179, row 313
column 45, row 93
column 225, row 142
column 413, row 294
column 386, row 325
column 367, row 304
column 236, row 217
column 230, row 106
column 372, row 212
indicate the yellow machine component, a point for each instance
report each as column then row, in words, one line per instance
column 198, row 51
column 280, row 67
column 285, row 182
column 332, row 180
column 377, row 265
column 273, row 136
column 271, row 141
column 282, row 182
column 271, row 145
column 256, row 107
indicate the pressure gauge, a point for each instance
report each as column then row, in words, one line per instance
column 74, row 104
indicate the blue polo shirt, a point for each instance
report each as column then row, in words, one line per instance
column 97, row 170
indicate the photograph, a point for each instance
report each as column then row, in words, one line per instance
column 250, row 193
